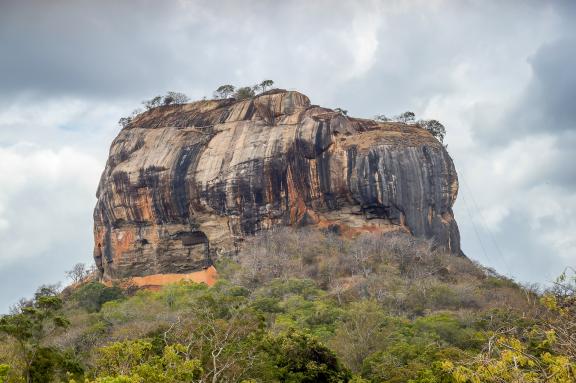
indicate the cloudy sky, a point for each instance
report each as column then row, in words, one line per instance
column 501, row 76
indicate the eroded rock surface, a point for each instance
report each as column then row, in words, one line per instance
column 185, row 183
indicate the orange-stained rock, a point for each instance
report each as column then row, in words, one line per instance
column 208, row 276
column 186, row 183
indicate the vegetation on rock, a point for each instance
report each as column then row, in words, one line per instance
column 242, row 93
column 433, row 126
column 170, row 98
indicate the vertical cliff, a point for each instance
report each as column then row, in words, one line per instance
column 186, row 183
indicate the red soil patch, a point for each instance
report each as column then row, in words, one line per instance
column 156, row 281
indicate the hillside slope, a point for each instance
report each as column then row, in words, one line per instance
column 302, row 306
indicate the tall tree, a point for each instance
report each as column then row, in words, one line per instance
column 434, row 127
column 244, row 93
column 32, row 322
column 266, row 84
column 406, row 117
column 175, row 98
column 153, row 102
column 224, row 91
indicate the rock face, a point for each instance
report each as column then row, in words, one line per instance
column 185, row 183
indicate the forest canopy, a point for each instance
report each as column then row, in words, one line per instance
column 302, row 306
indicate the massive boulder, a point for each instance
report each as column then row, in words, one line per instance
column 185, row 184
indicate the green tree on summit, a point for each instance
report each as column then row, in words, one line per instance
column 266, row 84
column 434, row 127
column 224, row 91
column 244, row 93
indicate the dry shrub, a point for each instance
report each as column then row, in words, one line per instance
column 405, row 274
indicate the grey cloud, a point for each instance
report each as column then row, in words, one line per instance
column 83, row 47
column 553, row 88
column 547, row 104
column 511, row 252
column 563, row 173
column 119, row 49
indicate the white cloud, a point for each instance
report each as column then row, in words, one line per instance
column 361, row 41
column 46, row 195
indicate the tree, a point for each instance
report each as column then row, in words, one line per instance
column 124, row 121
column 256, row 88
column 244, row 93
column 91, row 296
column 223, row 344
column 30, row 325
column 4, row 372
column 299, row 357
column 434, row 127
column 360, row 332
column 152, row 103
column 135, row 361
column 561, row 301
column 224, row 91
column 266, row 84
column 341, row 111
column 508, row 359
column 175, row 98
column 78, row 273
column 382, row 118
column 542, row 352
column 406, row 117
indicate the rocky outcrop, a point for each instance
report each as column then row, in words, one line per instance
column 186, row 183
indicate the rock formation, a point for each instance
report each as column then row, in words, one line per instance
column 185, row 183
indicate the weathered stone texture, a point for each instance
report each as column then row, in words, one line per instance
column 185, row 183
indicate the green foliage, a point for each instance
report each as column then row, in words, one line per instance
column 406, row 117
column 386, row 348
column 135, row 361
column 317, row 316
column 175, row 98
column 120, row 358
column 171, row 98
column 509, row 360
column 49, row 363
column 434, row 127
column 299, row 357
column 244, row 93
column 29, row 326
column 152, row 103
column 4, row 371
column 266, row 84
column 360, row 332
column 497, row 281
column 224, row 91
column 448, row 329
column 302, row 306
column 280, row 288
column 91, row 296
